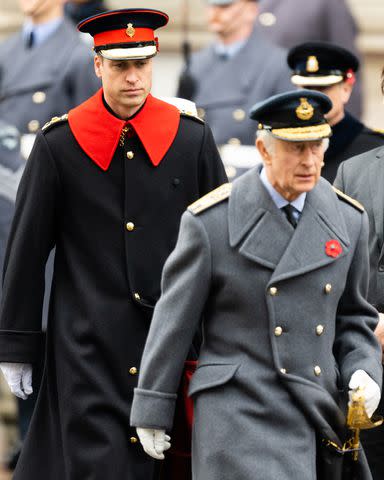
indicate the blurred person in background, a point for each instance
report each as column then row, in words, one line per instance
column 290, row 22
column 240, row 68
column 78, row 10
column 363, row 177
column 45, row 70
column 332, row 70
column 11, row 168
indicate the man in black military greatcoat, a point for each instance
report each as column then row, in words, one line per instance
column 331, row 69
column 106, row 185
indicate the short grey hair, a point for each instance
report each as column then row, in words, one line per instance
column 269, row 140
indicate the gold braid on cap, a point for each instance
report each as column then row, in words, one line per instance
column 312, row 132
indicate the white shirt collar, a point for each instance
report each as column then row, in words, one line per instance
column 278, row 199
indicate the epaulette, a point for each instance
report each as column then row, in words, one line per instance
column 348, row 199
column 211, row 198
column 378, row 131
column 185, row 113
column 54, row 121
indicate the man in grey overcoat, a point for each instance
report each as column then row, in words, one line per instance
column 363, row 177
column 240, row 68
column 277, row 268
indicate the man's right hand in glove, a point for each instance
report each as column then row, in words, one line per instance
column 19, row 378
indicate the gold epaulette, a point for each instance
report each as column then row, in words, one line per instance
column 186, row 113
column 380, row 131
column 211, row 198
column 54, row 121
column 348, row 199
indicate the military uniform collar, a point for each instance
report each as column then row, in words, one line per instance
column 343, row 133
column 98, row 131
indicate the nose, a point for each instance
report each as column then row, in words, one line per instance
column 309, row 157
column 131, row 75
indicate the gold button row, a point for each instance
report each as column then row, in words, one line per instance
column 130, row 155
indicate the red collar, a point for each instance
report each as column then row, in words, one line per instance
column 98, row 132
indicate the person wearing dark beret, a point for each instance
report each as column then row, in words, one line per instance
column 331, row 69
column 106, row 184
column 274, row 268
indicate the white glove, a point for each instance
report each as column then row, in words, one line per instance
column 371, row 390
column 155, row 442
column 19, row 378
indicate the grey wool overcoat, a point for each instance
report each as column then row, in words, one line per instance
column 285, row 325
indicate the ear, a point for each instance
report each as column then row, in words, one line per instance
column 98, row 62
column 346, row 92
column 263, row 151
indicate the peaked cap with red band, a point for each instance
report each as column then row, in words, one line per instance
column 126, row 34
column 156, row 125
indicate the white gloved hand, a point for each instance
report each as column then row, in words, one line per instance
column 19, row 378
column 371, row 390
column 155, row 442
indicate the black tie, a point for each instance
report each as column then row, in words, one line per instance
column 30, row 39
column 288, row 210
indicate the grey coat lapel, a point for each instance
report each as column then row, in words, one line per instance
column 264, row 235
column 254, row 220
column 320, row 222
column 376, row 182
column 25, row 75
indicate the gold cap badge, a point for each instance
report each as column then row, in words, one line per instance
column 130, row 31
column 312, row 64
column 305, row 110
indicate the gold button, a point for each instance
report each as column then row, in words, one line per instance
column 33, row 126
column 133, row 371
column 273, row 291
column 267, row 19
column 137, row 296
column 133, row 440
column 238, row 114
column 234, row 141
column 278, row 331
column 283, row 370
column 319, row 330
column 328, row 288
column 130, row 155
column 39, row 97
column 201, row 112
column 317, row 371
column 130, row 226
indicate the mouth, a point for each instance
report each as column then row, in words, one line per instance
column 136, row 91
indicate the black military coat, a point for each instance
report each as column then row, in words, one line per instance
column 113, row 228
column 349, row 138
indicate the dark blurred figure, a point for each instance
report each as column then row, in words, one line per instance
column 363, row 177
column 331, row 69
column 239, row 69
column 290, row 22
column 77, row 10
column 44, row 69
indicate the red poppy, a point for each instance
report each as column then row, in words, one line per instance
column 333, row 248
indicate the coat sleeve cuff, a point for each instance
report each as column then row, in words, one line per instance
column 151, row 409
column 21, row 347
column 374, row 370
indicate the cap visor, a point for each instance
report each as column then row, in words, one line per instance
column 316, row 81
column 138, row 53
column 302, row 134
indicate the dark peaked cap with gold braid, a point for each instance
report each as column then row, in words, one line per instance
column 294, row 116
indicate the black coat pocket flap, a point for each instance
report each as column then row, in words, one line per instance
column 211, row 375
